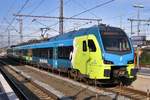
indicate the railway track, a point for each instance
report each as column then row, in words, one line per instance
column 24, row 87
column 127, row 93
column 14, row 86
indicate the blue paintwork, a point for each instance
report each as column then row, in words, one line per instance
column 64, row 63
column 67, row 40
column 50, row 62
column 60, row 62
column 118, row 60
column 47, row 44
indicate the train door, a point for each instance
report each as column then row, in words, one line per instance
column 94, row 67
column 92, row 63
column 55, row 51
column 80, row 54
column 87, row 57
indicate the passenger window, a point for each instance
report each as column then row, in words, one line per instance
column 64, row 52
column 91, row 46
column 84, row 46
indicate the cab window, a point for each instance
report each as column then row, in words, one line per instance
column 91, row 45
column 84, row 46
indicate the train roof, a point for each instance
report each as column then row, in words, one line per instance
column 72, row 34
column 66, row 39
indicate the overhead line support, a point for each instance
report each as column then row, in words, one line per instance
column 50, row 17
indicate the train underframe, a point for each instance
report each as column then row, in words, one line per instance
column 120, row 75
column 117, row 74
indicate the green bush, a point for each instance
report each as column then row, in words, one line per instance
column 145, row 57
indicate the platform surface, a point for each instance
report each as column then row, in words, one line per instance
column 6, row 92
column 142, row 83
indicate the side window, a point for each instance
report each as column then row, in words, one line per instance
column 91, row 46
column 64, row 52
column 50, row 53
column 44, row 52
column 84, row 46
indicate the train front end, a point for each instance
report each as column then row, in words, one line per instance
column 117, row 55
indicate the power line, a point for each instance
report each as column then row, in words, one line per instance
column 56, row 9
column 21, row 20
column 10, row 8
column 22, row 15
column 18, row 35
column 46, row 26
column 78, row 26
column 84, row 8
column 34, row 32
column 10, row 24
column 87, row 10
column 53, row 10
column 36, row 7
column 23, row 6
column 97, row 6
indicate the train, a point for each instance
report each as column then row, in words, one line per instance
column 100, row 52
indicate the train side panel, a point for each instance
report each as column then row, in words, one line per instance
column 87, row 57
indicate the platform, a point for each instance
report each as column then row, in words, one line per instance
column 142, row 83
column 6, row 92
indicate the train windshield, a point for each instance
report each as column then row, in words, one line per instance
column 115, row 42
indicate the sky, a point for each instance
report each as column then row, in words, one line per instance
column 114, row 13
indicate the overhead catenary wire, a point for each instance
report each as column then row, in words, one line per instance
column 78, row 26
column 80, row 5
column 46, row 26
column 9, row 9
column 11, row 25
column 34, row 20
column 18, row 35
column 87, row 10
column 37, row 6
column 13, row 19
column 53, row 10
column 19, row 11
column 84, row 11
column 97, row 6
column 34, row 9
